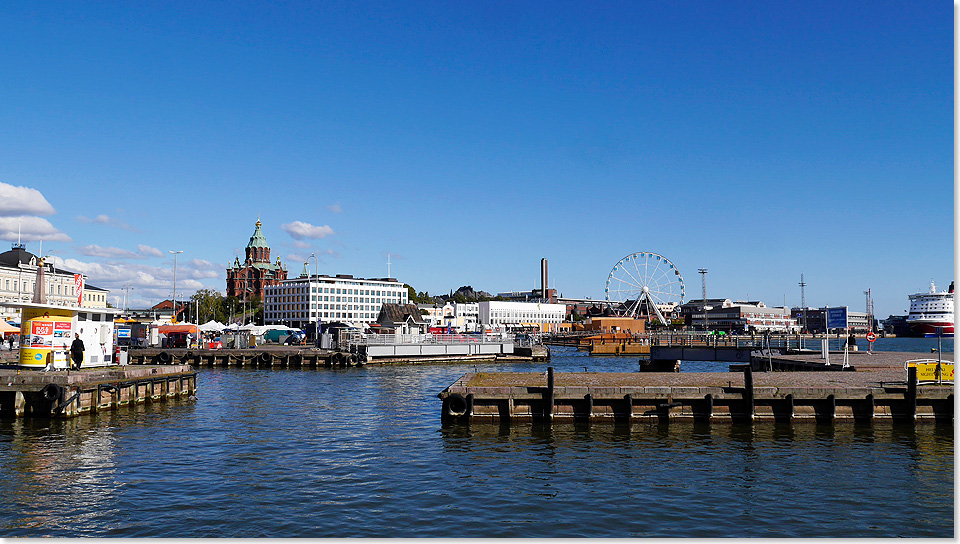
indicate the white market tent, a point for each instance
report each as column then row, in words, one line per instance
column 212, row 326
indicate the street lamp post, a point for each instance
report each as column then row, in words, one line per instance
column 175, row 253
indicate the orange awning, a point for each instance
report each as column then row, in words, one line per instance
column 167, row 329
column 6, row 328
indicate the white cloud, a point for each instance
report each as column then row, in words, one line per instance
column 202, row 264
column 30, row 229
column 300, row 230
column 300, row 245
column 148, row 284
column 148, row 251
column 16, row 201
column 106, row 220
column 335, row 207
column 108, row 252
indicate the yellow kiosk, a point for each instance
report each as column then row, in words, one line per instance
column 47, row 331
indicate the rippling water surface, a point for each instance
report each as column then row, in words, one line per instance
column 361, row 452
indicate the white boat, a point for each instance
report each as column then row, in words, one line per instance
column 931, row 313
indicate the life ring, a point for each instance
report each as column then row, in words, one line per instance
column 454, row 405
column 264, row 358
column 51, row 392
column 164, row 358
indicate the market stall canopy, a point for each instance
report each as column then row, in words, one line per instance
column 212, row 326
column 187, row 328
column 6, row 328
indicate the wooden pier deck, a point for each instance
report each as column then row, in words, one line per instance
column 882, row 392
column 69, row 393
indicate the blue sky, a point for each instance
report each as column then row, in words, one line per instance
column 470, row 140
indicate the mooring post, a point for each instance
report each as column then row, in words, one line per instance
column 831, row 408
column 912, row 392
column 588, row 398
column 628, row 400
column 707, row 413
column 550, row 392
column 470, row 405
column 748, row 391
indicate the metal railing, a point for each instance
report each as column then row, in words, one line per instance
column 359, row 339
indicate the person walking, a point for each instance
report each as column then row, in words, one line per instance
column 76, row 351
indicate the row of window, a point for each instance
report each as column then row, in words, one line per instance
column 363, row 316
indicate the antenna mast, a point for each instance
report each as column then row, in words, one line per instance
column 703, row 304
column 803, row 301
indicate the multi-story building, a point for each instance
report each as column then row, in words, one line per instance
column 18, row 276
column 461, row 317
column 326, row 299
column 812, row 320
column 250, row 279
column 510, row 316
column 739, row 316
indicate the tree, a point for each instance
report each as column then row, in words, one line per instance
column 211, row 305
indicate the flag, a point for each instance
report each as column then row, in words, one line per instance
column 78, row 285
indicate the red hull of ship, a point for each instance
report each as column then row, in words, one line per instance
column 930, row 329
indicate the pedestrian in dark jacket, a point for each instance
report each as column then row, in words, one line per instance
column 76, row 351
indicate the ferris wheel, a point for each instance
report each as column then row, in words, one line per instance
column 645, row 284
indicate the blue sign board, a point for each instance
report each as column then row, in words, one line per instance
column 837, row 318
column 123, row 333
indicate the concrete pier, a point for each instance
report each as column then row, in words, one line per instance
column 749, row 396
column 65, row 394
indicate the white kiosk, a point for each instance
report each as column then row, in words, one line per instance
column 47, row 330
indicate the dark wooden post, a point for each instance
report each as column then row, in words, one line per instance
column 707, row 412
column 911, row 396
column 831, row 408
column 628, row 400
column 748, row 391
column 550, row 397
column 588, row 398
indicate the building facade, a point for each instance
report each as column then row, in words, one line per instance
column 326, row 299
column 460, row 317
column 250, row 279
column 510, row 316
column 812, row 320
column 737, row 317
column 18, row 276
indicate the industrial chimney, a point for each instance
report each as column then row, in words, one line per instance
column 543, row 280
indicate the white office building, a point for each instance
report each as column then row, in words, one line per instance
column 326, row 299
column 508, row 316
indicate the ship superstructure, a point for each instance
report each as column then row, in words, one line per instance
column 930, row 312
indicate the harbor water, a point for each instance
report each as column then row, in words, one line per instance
column 361, row 452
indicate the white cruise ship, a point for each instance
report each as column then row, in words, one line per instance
column 930, row 311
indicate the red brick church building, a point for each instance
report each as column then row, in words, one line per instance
column 248, row 279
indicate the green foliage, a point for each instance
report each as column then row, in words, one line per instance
column 414, row 297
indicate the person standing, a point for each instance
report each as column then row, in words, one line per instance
column 76, row 351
